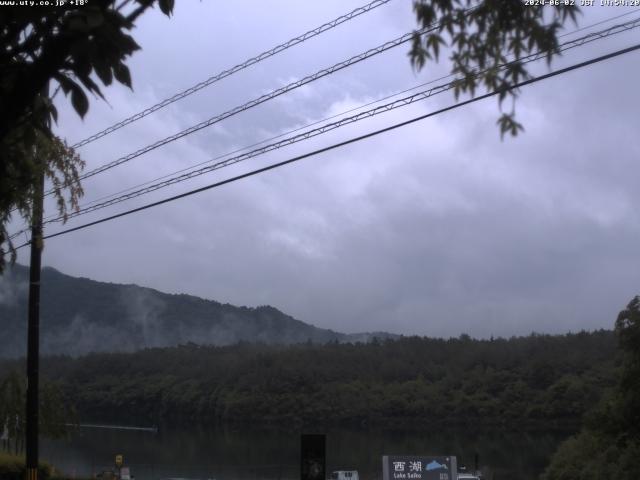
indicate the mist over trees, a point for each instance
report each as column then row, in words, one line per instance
column 79, row 316
column 537, row 380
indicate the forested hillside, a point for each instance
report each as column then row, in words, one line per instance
column 79, row 315
column 528, row 380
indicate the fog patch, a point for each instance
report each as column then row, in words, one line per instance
column 81, row 336
column 142, row 312
column 12, row 290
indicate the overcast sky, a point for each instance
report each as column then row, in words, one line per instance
column 438, row 228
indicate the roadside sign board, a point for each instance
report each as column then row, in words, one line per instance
column 422, row 467
column 313, row 457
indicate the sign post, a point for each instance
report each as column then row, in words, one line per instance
column 405, row 467
column 313, row 457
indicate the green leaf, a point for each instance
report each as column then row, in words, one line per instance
column 509, row 125
column 166, row 6
column 417, row 54
column 433, row 42
column 122, row 74
column 103, row 71
column 54, row 112
column 76, row 23
column 79, row 100
column 81, row 59
column 91, row 85
column 94, row 17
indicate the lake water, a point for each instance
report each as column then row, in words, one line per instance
column 229, row 453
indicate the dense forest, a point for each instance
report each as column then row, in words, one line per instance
column 586, row 380
column 608, row 445
column 539, row 379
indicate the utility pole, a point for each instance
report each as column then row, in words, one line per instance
column 33, row 326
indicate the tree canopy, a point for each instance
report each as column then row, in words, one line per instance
column 628, row 331
column 487, row 42
column 609, row 444
column 46, row 50
column 536, row 380
column 56, row 412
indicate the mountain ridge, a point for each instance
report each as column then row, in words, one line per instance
column 81, row 315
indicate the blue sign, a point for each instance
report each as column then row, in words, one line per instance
column 406, row 467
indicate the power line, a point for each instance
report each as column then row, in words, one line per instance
column 331, row 126
column 346, row 142
column 264, row 98
column 275, row 137
column 114, row 198
column 606, row 20
column 261, row 151
column 241, row 66
column 567, row 45
column 402, row 102
column 255, row 102
column 221, row 75
column 563, row 47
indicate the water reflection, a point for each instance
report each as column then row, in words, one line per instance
column 228, row 453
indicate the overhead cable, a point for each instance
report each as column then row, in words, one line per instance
column 241, row 66
column 327, row 127
column 563, row 47
column 402, row 102
column 97, row 204
column 346, row 142
column 255, row 102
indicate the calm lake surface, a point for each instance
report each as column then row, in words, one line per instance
column 244, row 453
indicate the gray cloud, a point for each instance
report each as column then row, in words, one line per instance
column 438, row 228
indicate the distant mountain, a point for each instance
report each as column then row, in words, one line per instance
column 79, row 315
